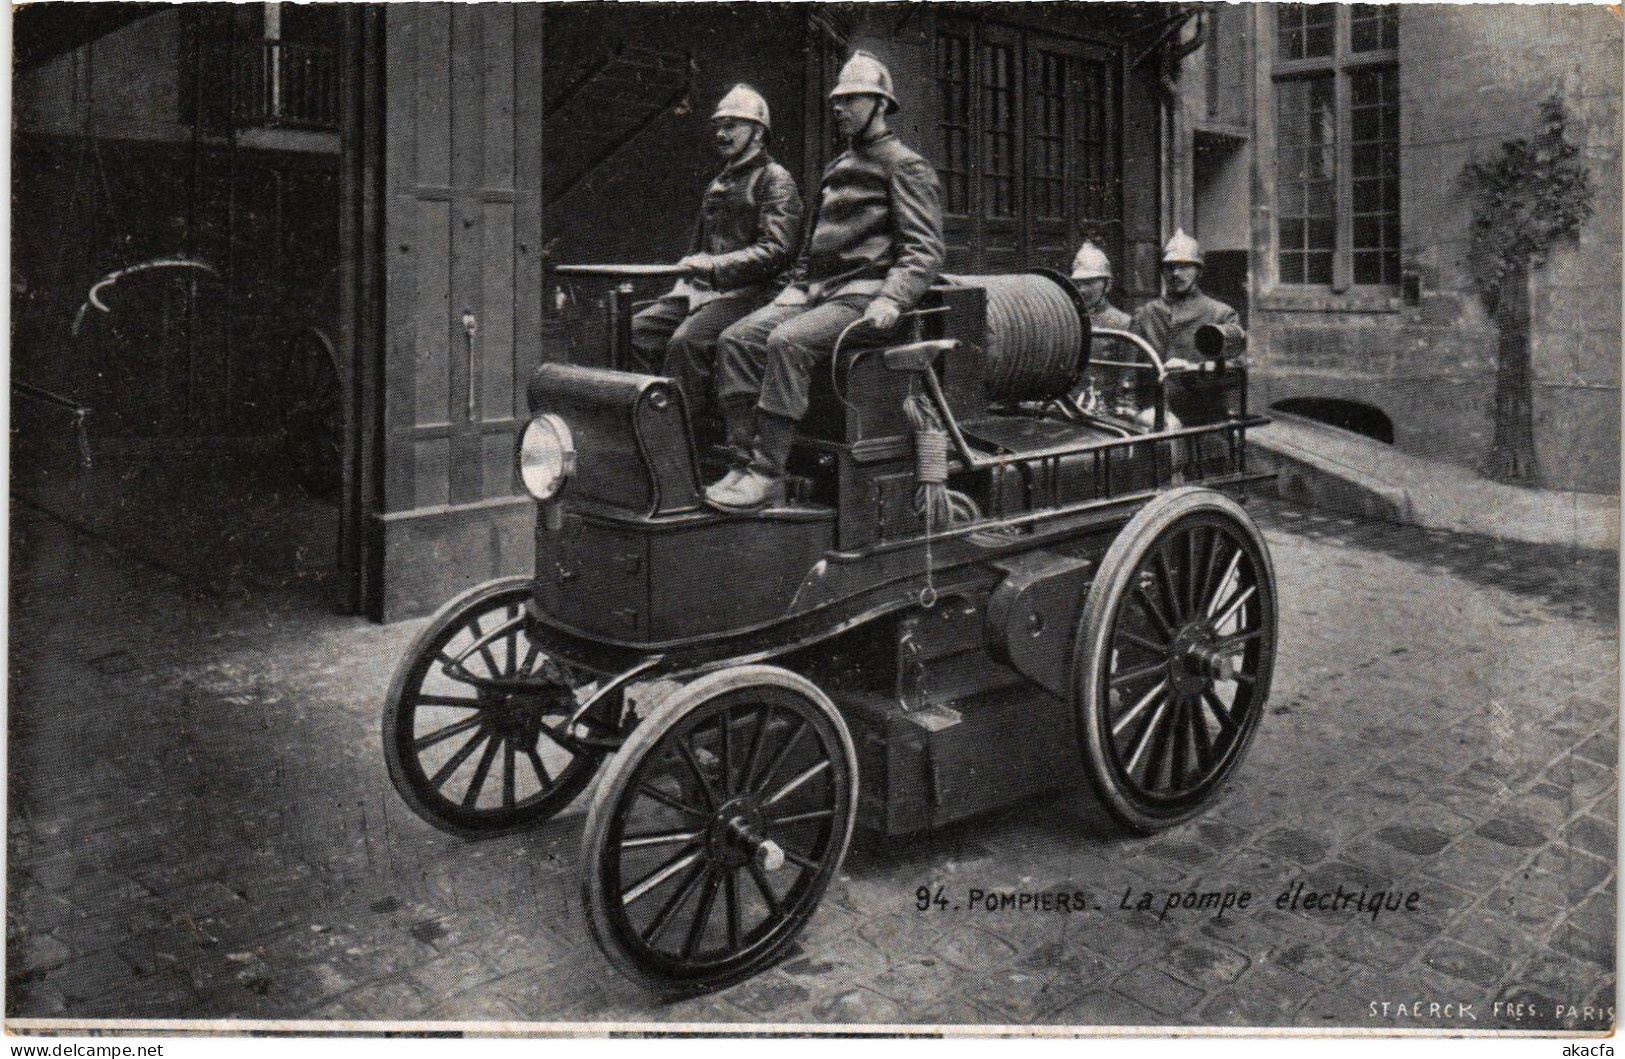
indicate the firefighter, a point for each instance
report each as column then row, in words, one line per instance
column 1092, row 275
column 1170, row 322
column 746, row 235
column 875, row 247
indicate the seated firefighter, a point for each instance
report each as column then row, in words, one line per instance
column 876, row 247
column 746, row 235
column 1170, row 324
column 1092, row 276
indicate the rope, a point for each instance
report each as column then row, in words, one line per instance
column 933, row 500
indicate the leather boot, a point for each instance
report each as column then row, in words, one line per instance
column 762, row 484
column 739, row 430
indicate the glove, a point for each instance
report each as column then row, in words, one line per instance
column 883, row 314
column 699, row 265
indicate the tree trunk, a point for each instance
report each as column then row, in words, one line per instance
column 1512, row 454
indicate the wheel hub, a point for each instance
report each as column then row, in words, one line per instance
column 736, row 836
column 1195, row 659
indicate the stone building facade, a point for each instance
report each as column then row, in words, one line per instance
column 1355, row 124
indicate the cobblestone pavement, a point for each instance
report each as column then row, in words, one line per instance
column 201, row 826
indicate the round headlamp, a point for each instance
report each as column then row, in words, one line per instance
column 547, row 456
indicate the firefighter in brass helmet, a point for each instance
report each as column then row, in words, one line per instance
column 1092, row 275
column 1170, row 323
column 747, row 233
column 875, row 247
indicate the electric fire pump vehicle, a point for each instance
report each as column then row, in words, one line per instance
column 1005, row 563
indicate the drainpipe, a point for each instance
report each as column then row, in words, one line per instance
column 1176, row 128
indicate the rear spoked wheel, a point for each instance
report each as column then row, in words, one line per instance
column 1174, row 656
column 717, row 828
column 472, row 719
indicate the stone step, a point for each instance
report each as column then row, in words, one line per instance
column 1337, row 470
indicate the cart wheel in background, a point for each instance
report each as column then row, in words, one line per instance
column 311, row 412
column 717, row 828
column 1174, row 653
column 480, row 762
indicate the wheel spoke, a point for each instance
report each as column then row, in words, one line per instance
column 730, row 895
column 754, row 757
column 1145, row 736
column 513, row 641
column 1128, row 718
column 658, row 838
column 800, row 860
column 654, row 794
column 1192, row 549
column 1230, row 611
column 509, row 780
column 795, row 784
column 1165, row 582
column 702, row 916
column 1141, row 673
column 1226, row 644
column 760, row 784
column 1150, row 610
column 1164, row 725
column 1227, row 723
column 1216, row 595
column 541, row 769
column 439, row 779
column 450, row 667
column 1176, row 735
column 1141, row 642
column 658, row 876
column 662, row 918
column 1201, row 739
column 801, row 818
column 687, row 752
column 471, row 796
column 482, row 644
column 759, row 877
column 440, row 735
column 531, row 653
column 726, row 749
column 455, row 701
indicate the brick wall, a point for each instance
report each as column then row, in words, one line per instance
column 1471, row 77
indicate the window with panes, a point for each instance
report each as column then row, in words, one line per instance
column 1027, row 144
column 1336, row 84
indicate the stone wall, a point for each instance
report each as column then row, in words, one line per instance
column 1470, row 78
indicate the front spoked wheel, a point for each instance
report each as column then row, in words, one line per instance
column 1174, row 656
column 717, row 829
column 473, row 715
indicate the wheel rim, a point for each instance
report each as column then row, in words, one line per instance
column 724, row 836
column 483, row 759
column 313, row 412
column 1186, row 662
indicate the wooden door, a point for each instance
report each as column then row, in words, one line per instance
column 462, row 234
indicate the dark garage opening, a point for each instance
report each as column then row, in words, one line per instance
column 174, row 270
column 1345, row 415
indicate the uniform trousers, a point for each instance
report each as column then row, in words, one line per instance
column 767, row 359
column 683, row 344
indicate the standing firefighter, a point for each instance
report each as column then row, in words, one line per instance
column 1092, row 275
column 747, row 233
column 876, row 246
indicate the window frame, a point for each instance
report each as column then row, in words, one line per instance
column 1342, row 293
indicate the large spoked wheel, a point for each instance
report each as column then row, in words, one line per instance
column 482, row 757
column 1173, row 658
column 717, row 828
column 311, row 415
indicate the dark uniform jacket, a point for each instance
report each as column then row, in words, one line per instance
column 750, row 224
column 1170, row 324
column 877, row 229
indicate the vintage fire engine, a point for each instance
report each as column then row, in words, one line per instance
column 1006, row 566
